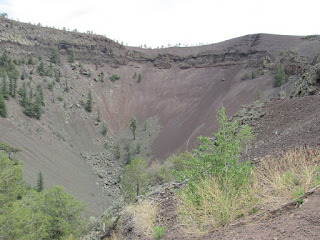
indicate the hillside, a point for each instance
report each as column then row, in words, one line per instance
column 179, row 94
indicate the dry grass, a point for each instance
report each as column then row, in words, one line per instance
column 287, row 176
column 143, row 215
column 274, row 181
column 216, row 206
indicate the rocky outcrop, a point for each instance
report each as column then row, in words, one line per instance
column 291, row 63
column 308, row 82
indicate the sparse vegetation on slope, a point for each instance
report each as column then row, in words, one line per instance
column 30, row 214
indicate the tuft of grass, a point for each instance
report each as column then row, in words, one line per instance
column 274, row 181
column 287, row 176
column 143, row 215
column 158, row 232
column 215, row 206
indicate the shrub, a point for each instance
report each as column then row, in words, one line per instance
column 286, row 176
column 134, row 179
column 158, row 232
column 114, row 77
column 117, row 152
column 105, row 129
column 279, row 77
column 133, row 126
column 128, row 156
column 3, row 106
column 245, row 76
column 138, row 148
column 54, row 58
column 216, row 176
column 28, row 214
column 139, row 78
column 253, row 74
column 71, row 57
column 282, row 94
column 144, row 216
column 89, row 102
column 60, row 98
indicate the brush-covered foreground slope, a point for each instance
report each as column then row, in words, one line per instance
column 182, row 87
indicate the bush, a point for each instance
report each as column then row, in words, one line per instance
column 286, row 176
column 282, row 94
column 60, row 98
column 89, row 102
column 245, row 76
column 128, row 156
column 28, row 214
column 139, row 78
column 138, row 148
column 216, row 176
column 134, row 179
column 105, row 129
column 143, row 216
column 158, row 232
column 54, row 58
column 279, row 77
column 117, row 153
column 114, row 77
column 253, row 74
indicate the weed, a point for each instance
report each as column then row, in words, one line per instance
column 158, row 232
column 144, row 215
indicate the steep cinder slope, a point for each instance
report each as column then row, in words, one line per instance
column 182, row 87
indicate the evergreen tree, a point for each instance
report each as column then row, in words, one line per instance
column 134, row 179
column 3, row 107
column 98, row 115
column 89, row 102
column 41, row 69
column 105, row 129
column 40, row 91
column 40, row 182
column 279, row 77
column 133, row 126
column 117, row 153
column 23, row 95
column 4, row 58
column 5, row 87
column 37, row 106
column 71, row 57
column 54, row 58
column 30, row 60
column 129, row 153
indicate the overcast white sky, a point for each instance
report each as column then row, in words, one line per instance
column 159, row 22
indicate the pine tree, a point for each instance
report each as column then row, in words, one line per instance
column 3, row 107
column 41, row 69
column 37, row 106
column 133, row 126
column 54, row 58
column 39, row 187
column 40, row 90
column 4, row 87
column 89, row 102
column 98, row 115
column 71, row 57
column 23, row 95
column 117, row 153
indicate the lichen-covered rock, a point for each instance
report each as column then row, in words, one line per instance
column 306, row 85
column 291, row 63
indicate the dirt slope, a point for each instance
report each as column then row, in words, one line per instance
column 182, row 87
